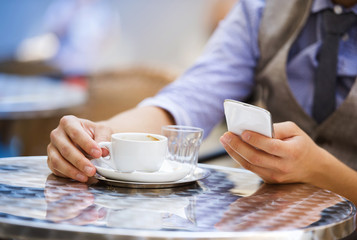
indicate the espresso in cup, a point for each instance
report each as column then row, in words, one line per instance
column 129, row 152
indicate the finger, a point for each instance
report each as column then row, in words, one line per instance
column 265, row 173
column 62, row 167
column 87, row 216
column 57, row 173
column 102, row 134
column 63, row 145
column 50, row 163
column 81, row 135
column 285, row 130
column 251, row 154
column 271, row 146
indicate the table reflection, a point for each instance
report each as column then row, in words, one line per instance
column 230, row 203
column 72, row 202
column 278, row 207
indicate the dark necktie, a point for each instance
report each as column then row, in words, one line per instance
column 334, row 27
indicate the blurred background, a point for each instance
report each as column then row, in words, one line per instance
column 80, row 56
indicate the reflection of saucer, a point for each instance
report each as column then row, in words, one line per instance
column 169, row 172
column 198, row 174
column 157, row 204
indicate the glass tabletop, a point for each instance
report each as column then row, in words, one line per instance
column 230, row 203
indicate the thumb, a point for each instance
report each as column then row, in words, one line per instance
column 103, row 134
column 285, row 130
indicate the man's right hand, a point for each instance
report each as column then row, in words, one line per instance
column 73, row 144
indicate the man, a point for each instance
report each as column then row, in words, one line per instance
column 270, row 48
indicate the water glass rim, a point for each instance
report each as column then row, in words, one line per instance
column 182, row 128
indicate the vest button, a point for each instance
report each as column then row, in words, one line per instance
column 337, row 9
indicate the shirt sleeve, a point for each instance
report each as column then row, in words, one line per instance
column 224, row 71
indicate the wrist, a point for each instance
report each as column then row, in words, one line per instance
column 324, row 163
column 332, row 174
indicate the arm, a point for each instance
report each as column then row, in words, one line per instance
column 142, row 119
column 225, row 70
column 74, row 141
column 290, row 157
column 337, row 177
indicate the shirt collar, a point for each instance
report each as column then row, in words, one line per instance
column 319, row 5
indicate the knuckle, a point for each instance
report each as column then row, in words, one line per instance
column 274, row 147
column 65, row 151
column 65, row 120
column 291, row 125
column 53, row 163
column 49, row 150
column 53, row 134
column 74, row 135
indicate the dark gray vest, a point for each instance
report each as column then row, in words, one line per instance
column 278, row 30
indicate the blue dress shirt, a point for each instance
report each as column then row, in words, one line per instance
column 226, row 68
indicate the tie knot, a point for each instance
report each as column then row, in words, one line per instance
column 338, row 24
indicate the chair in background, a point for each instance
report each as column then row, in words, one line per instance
column 116, row 91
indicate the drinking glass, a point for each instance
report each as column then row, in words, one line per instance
column 183, row 145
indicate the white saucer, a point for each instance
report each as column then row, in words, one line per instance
column 169, row 172
column 198, row 174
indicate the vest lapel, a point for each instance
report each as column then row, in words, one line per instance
column 278, row 30
column 287, row 24
column 276, row 35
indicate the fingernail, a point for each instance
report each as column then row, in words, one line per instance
column 80, row 177
column 96, row 153
column 245, row 136
column 88, row 170
column 226, row 138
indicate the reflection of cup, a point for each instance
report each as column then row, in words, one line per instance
column 183, row 144
column 130, row 152
column 149, row 213
column 134, row 219
column 148, row 208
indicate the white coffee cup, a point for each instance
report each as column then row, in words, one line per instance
column 129, row 152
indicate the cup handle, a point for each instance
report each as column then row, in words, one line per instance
column 109, row 159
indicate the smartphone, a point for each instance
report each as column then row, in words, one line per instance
column 242, row 116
